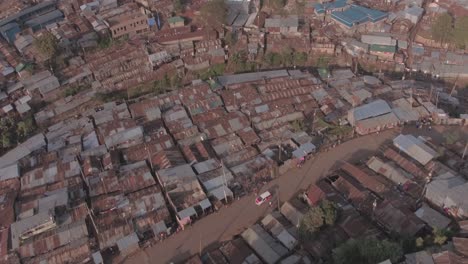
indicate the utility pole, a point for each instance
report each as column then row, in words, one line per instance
column 430, row 93
column 149, row 156
column 411, row 97
column 454, row 86
column 278, row 197
column 92, row 219
column 225, row 183
column 464, row 151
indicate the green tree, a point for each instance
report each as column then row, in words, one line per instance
column 441, row 236
column 300, row 58
column 230, row 39
column 7, row 139
column 367, row 251
column 25, row 128
column 47, row 44
column 442, row 28
column 323, row 62
column 179, row 6
column 298, row 125
column 276, row 4
column 213, row 13
column 329, row 212
column 288, row 56
column 348, row 253
column 460, row 32
column 104, row 42
column 311, row 222
column 419, row 243
column 176, row 81
column 451, row 137
column 273, row 59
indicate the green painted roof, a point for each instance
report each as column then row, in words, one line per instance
column 175, row 19
column 382, row 48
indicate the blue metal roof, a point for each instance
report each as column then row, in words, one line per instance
column 357, row 14
column 321, row 8
column 374, row 15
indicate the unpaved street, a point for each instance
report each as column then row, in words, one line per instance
column 232, row 220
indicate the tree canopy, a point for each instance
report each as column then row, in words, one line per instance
column 13, row 132
column 367, row 251
column 317, row 217
column 276, row 4
column 446, row 30
column 461, row 32
column 179, row 6
column 213, row 13
column 47, row 44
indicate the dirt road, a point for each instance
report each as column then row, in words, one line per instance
column 209, row 231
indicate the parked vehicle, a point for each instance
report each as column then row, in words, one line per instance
column 264, row 197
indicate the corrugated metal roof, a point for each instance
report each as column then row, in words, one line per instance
column 263, row 244
column 375, row 108
column 9, row 172
column 186, row 213
column 250, row 77
column 433, row 218
column 368, row 181
column 404, row 163
column 291, row 213
column 127, row 242
column 415, row 148
column 388, row 170
column 33, row 143
column 420, row 257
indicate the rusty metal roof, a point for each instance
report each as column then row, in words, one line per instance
column 368, row 181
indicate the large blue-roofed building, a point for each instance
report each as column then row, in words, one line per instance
column 349, row 15
column 356, row 15
column 330, row 6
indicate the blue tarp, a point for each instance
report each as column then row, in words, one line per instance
column 151, row 22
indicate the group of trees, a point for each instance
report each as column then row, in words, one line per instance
column 167, row 83
column 447, row 30
column 47, row 44
column 437, row 238
column 239, row 61
column 367, row 251
column 13, row 132
column 288, row 57
column 213, row 13
column 276, row 4
column 316, row 218
column 179, row 6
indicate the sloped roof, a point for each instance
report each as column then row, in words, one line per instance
column 415, row 148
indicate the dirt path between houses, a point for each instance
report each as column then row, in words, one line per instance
column 210, row 231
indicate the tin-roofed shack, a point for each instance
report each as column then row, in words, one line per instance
column 184, row 192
